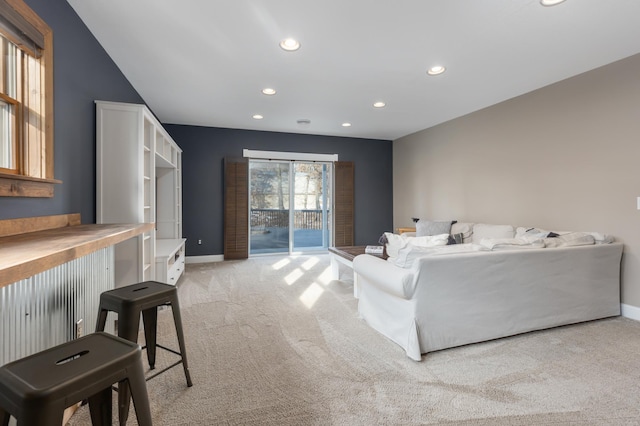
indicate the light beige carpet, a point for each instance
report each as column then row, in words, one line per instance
column 273, row 341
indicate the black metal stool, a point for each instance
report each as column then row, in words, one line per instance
column 129, row 302
column 38, row 388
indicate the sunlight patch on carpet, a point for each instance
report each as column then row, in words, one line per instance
column 310, row 263
column 280, row 264
column 293, row 276
column 311, row 295
column 325, row 277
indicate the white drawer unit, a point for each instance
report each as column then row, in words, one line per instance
column 169, row 260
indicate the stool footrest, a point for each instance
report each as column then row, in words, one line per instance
column 157, row 373
column 165, row 348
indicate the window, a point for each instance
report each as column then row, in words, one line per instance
column 26, row 102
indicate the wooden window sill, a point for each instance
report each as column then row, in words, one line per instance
column 26, row 186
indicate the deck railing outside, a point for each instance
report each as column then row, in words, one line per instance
column 276, row 218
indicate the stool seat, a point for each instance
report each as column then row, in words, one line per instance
column 129, row 303
column 38, row 388
column 139, row 297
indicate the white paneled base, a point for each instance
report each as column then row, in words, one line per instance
column 630, row 312
column 205, row 259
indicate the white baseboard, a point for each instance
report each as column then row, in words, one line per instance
column 630, row 312
column 204, row 259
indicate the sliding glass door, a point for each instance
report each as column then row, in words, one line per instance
column 269, row 206
column 311, row 186
column 290, row 206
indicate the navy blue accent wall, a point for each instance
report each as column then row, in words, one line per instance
column 205, row 149
column 83, row 72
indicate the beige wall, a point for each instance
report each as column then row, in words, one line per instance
column 564, row 157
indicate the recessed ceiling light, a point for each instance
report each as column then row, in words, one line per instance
column 258, row 117
column 346, row 124
column 290, row 44
column 435, row 70
column 379, row 104
column 550, row 2
column 269, row 91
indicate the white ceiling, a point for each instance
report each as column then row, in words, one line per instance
column 204, row 62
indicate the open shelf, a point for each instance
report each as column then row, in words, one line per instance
column 139, row 181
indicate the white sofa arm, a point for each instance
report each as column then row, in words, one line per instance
column 385, row 275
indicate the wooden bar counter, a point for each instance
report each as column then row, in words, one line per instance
column 41, row 313
column 28, row 253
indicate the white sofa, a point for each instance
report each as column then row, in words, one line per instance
column 488, row 288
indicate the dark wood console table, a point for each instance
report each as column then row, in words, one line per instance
column 345, row 256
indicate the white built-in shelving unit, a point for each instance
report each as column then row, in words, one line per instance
column 139, row 179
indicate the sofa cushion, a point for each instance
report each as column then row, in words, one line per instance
column 409, row 253
column 512, row 243
column 430, row 227
column 599, row 238
column 466, row 229
column 483, row 230
column 576, row 239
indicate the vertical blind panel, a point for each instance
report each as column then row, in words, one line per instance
column 236, row 208
column 344, row 203
column 41, row 311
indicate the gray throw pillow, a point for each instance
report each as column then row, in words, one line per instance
column 455, row 239
column 429, row 227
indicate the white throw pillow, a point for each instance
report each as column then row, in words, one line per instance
column 483, row 230
column 466, row 229
column 394, row 243
column 429, row 240
column 526, row 232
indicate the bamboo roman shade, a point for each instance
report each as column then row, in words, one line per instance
column 18, row 29
column 236, row 208
column 344, row 203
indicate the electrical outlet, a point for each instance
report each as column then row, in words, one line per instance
column 199, row 242
column 79, row 328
